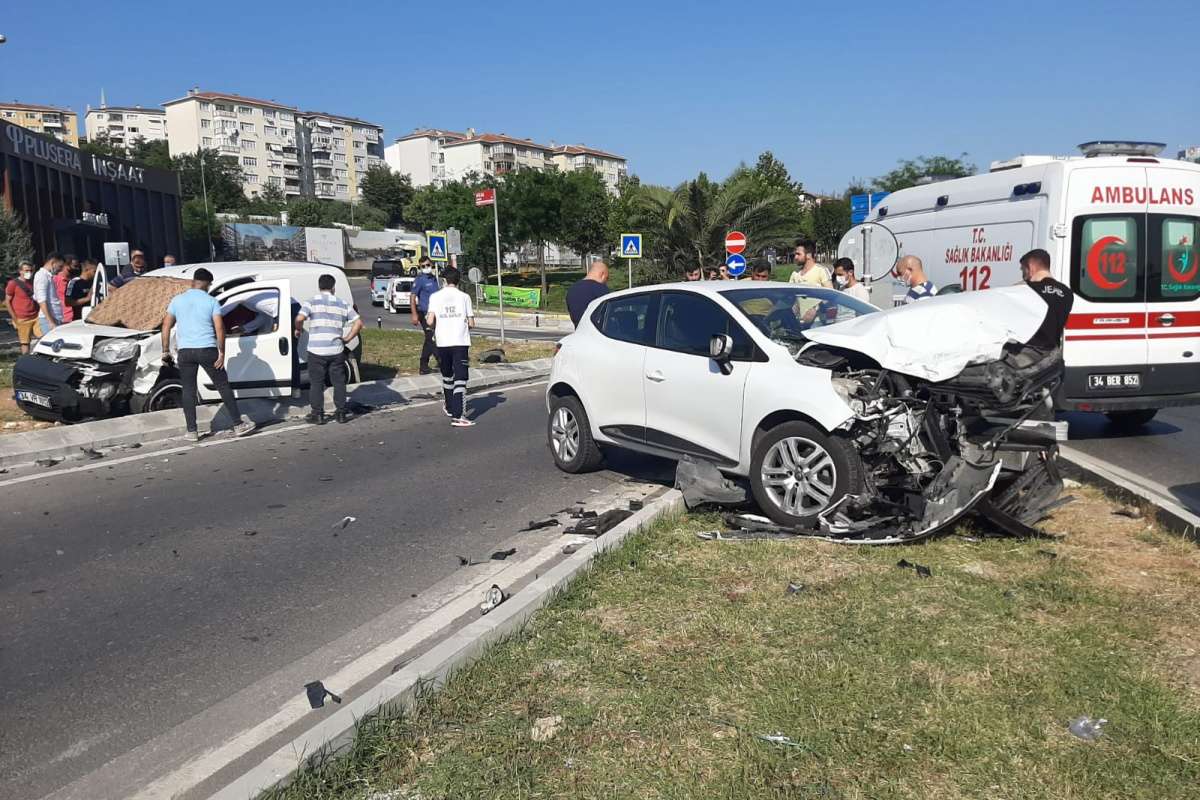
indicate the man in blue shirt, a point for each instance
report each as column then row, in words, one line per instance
column 582, row 293
column 201, row 342
column 422, row 289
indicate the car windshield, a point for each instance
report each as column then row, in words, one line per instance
column 784, row 313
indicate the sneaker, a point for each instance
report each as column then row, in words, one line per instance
column 244, row 428
column 193, row 436
column 461, row 422
column 425, row 371
column 343, row 417
column 313, row 418
column 446, row 410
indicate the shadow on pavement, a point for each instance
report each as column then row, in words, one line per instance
column 478, row 406
column 1188, row 495
column 639, row 466
column 1085, row 426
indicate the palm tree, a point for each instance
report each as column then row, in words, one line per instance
column 686, row 226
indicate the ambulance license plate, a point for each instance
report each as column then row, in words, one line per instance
column 1122, row 380
column 35, row 398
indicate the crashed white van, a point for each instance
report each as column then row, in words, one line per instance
column 1121, row 225
column 83, row 370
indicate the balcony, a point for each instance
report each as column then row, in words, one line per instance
column 227, row 114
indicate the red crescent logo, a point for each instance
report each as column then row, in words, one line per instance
column 1183, row 277
column 1093, row 264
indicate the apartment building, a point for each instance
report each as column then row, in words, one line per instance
column 124, row 125
column 432, row 155
column 61, row 123
column 303, row 153
column 1190, row 154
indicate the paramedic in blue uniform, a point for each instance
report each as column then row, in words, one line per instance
column 422, row 289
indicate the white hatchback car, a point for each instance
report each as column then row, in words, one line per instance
column 840, row 415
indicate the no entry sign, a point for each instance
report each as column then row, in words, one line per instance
column 735, row 242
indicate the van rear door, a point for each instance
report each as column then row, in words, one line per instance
column 1105, row 350
column 259, row 349
column 1173, row 282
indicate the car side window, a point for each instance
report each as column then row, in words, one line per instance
column 687, row 322
column 630, row 319
column 251, row 312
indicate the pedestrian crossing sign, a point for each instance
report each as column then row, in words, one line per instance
column 631, row 245
column 437, row 245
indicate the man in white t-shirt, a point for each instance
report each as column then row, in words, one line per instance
column 843, row 279
column 451, row 317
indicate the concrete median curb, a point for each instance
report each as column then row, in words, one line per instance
column 67, row 441
column 433, row 669
column 1133, row 488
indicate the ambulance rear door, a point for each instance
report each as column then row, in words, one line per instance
column 1105, row 347
column 1173, row 290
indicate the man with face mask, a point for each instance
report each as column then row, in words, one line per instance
column 843, row 279
column 422, row 289
column 22, row 308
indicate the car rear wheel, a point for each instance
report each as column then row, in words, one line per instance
column 797, row 471
column 570, row 436
column 1131, row 420
column 166, row 394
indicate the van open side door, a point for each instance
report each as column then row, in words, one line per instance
column 260, row 350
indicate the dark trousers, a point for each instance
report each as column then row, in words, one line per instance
column 453, row 363
column 318, row 368
column 191, row 360
column 428, row 348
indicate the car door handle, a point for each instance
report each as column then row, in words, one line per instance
column 283, row 345
column 656, row 376
column 1167, row 320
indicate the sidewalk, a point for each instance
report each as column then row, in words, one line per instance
column 525, row 320
column 68, row 441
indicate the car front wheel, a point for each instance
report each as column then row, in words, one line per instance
column 570, row 436
column 797, row 471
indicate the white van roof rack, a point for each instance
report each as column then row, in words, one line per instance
column 1120, row 147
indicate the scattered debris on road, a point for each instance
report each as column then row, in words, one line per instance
column 1086, row 728
column 636, row 505
column 795, row 588
column 599, row 524
column 537, row 525
column 91, row 453
column 492, row 598
column 701, row 482
column 500, row 555
column 344, row 522
column 573, row 547
column 47, row 462
column 1129, row 512
column 317, row 693
column 778, row 738
column 921, row 570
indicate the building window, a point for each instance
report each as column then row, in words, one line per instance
column 341, row 173
column 224, row 107
column 339, row 157
column 133, row 130
column 249, row 144
column 358, row 161
column 359, row 145
column 274, row 180
column 206, row 141
column 251, row 178
column 205, row 105
column 339, row 142
column 342, row 188
column 270, row 130
column 268, row 113
column 205, row 122
column 249, row 161
column 247, row 127
column 286, row 116
column 245, row 110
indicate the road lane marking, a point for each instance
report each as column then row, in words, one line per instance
column 266, row 431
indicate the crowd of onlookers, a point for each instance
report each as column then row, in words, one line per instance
column 41, row 299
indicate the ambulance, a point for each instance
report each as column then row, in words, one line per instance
column 1121, row 225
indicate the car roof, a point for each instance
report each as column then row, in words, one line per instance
column 713, row 288
column 225, row 269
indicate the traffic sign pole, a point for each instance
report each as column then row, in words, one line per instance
column 499, row 276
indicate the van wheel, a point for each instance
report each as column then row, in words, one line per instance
column 166, row 394
column 798, row 471
column 1131, row 420
column 353, row 370
column 570, row 436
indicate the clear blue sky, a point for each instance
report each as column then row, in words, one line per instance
column 836, row 90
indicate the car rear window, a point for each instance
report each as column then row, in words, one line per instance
column 631, row 319
column 1107, row 258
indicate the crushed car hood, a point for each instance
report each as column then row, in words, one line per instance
column 77, row 339
column 935, row 339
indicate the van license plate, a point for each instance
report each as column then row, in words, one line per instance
column 33, row 397
column 1123, row 380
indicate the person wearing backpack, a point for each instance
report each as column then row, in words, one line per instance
column 22, row 308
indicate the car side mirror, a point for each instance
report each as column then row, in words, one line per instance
column 720, row 349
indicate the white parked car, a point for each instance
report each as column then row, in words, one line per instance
column 398, row 295
column 844, row 418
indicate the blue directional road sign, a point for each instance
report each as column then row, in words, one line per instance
column 862, row 204
column 437, row 246
column 631, row 245
column 735, row 265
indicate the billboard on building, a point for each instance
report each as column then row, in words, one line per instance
column 245, row 241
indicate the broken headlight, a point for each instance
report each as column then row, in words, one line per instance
column 114, row 351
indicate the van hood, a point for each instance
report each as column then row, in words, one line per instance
column 936, row 339
column 77, row 339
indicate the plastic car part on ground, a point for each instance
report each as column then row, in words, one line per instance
column 701, row 482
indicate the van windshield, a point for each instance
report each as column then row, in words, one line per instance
column 139, row 305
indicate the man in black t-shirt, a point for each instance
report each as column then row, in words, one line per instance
column 583, row 292
column 1035, row 269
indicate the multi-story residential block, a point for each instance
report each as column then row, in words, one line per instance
column 124, row 125
column 1190, row 154
column 61, row 123
column 434, row 156
column 303, row 153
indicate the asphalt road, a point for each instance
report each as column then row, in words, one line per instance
column 1166, row 451
column 135, row 594
column 403, row 321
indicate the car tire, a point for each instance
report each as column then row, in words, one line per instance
column 569, row 435
column 1131, row 420
column 166, row 394
column 833, row 471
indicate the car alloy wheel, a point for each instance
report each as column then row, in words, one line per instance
column 564, row 435
column 799, row 476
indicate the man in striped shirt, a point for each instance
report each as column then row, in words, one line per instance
column 328, row 317
column 912, row 272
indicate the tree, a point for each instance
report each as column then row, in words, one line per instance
column 222, row 179
column 306, row 213
column 774, row 174
column 267, row 203
column 313, row 213
column 102, row 145
column 387, row 191
column 828, row 222
column 16, row 243
column 533, row 211
column 584, row 214
column 196, row 229
column 911, row 171
column 452, row 205
column 154, row 154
